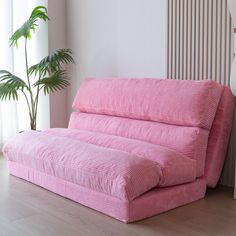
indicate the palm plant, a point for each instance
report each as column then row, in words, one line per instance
column 49, row 73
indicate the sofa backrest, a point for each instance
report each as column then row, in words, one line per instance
column 172, row 113
column 167, row 101
column 219, row 137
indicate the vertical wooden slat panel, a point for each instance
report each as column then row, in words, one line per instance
column 199, row 39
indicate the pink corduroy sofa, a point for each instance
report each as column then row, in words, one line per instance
column 134, row 147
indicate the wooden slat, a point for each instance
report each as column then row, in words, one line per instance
column 211, row 39
column 220, row 36
column 179, row 34
column 175, row 39
column 216, row 39
column 183, row 41
column 203, row 39
column 187, row 28
column 225, row 45
column 230, row 49
column 168, row 40
column 207, row 37
column 199, row 38
column 171, row 30
column 195, row 34
column 191, row 38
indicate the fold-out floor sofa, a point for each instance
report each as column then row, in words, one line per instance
column 134, row 147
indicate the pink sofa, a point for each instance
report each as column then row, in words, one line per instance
column 134, row 147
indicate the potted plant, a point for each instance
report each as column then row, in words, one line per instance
column 49, row 73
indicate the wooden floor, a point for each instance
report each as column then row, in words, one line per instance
column 26, row 209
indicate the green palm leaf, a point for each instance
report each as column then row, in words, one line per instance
column 39, row 13
column 52, row 63
column 9, row 84
column 8, row 92
column 11, row 80
column 55, row 82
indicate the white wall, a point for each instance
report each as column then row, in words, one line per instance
column 116, row 38
column 232, row 8
column 141, row 38
column 57, row 39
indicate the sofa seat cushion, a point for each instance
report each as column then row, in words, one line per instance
column 113, row 172
column 175, row 168
column 120, row 167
